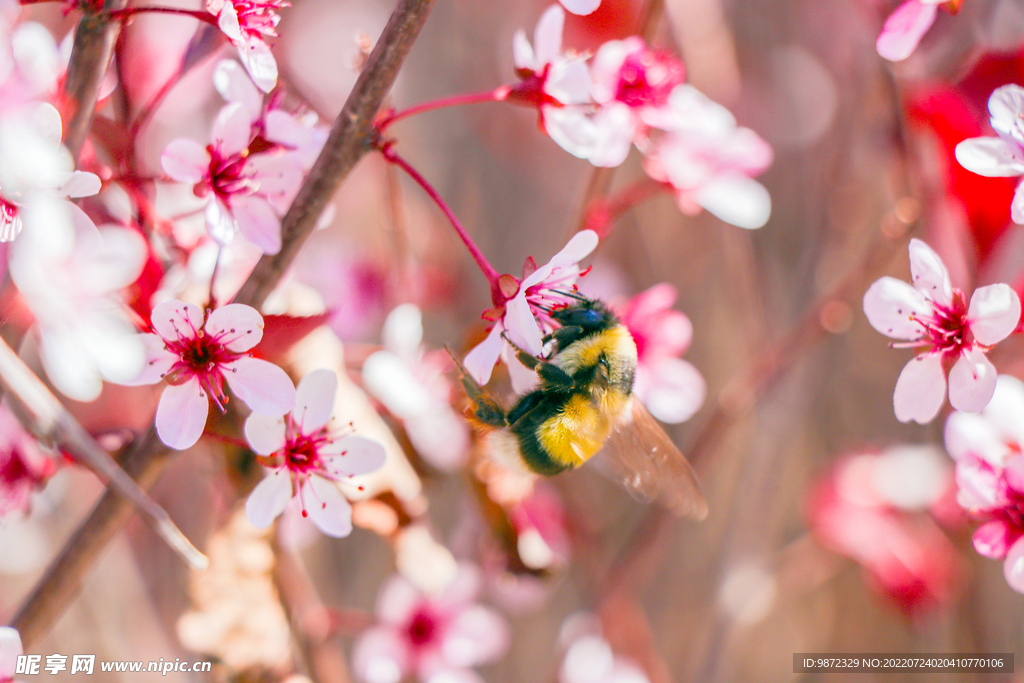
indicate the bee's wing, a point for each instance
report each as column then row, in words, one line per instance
column 641, row 456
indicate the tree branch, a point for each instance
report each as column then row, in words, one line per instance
column 350, row 139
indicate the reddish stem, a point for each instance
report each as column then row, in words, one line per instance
column 387, row 149
column 601, row 213
column 201, row 15
column 496, row 95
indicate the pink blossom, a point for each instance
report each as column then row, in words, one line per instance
column 671, row 389
column 430, row 638
column 905, row 27
column 631, row 83
column 246, row 192
column 196, row 354
column 952, row 337
column 987, row 448
column 556, row 83
column 307, row 460
column 876, row 509
column 708, row 161
column 412, row 385
column 24, row 468
column 1001, row 156
column 248, row 24
column 590, row 659
column 526, row 313
column 10, row 650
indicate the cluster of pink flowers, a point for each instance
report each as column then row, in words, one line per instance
column 632, row 94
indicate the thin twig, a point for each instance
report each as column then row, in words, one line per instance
column 350, row 139
column 90, row 56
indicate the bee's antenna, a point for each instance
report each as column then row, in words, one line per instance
column 572, row 295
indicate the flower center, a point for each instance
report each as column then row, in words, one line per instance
column 227, row 176
column 647, row 78
column 946, row 329
column 259, row 18
column 422, row 629
column 203, row 356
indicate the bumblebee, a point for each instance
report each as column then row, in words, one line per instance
column 584, row 403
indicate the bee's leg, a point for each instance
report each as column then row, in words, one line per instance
column 566, row 335
column 555, row 378
column 524, row 356
column 485, row 408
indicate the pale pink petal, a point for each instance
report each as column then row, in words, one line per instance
column 181, row 414
column 990, row 157
column 928, row 274
column 993, row 314
column 441, row 437
column 314, row 401
column 1013, row 473
column 992, row 539
column 606, row 65
column 219, row 221
column 1006, row 104
column 10, row 649
column 1013, row 567
column 403, row 331
column 185, row 160
column 236, row 326
column 284, row 129
column 576, row 249
column 265, row 433
column 259, row 62
column 569, row 82
column 380, row 655
column 396, row 600
column 972, row 381
column 889, row 305
column 258, row 222
column 227, row 21
column 262, row 386
column 175, row 320
column 920, row 390
column 475, row 636
column 81, row 184
column 327, row 508
column 1006, row 411
column 434, row 670
column 522, row 326
column 968, row 433
column 482, row 358
column 232, row 130
column 547, row 39
column 1017, row 205
column 616, row 127
column 675, row 392
column 736, row 199
column 462, row 590
column 581, row 6
column 904, row 29
column 391, row 382
column 570, row 129
column 157, row 363
column 234, row 85
column 354, row 455
column 522, row 52
column 269, row 499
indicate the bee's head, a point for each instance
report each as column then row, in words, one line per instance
column 589, row 314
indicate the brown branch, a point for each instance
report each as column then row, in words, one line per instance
column 95, row 37
column 349, row 140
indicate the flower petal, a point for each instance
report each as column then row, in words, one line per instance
column 889, row 305
column 992, row 539
column 481, row 359
column 265, row 433
column 391, row 382
column 185, row 160
column 220, row 223
column 581, row 6
column 181, row 414
column 972, row 381
column 175, row 320
column 258, row 222
column 403, row 331
column 928, row 274
column 269, row 498
column 232, row 130
column 547, row 38
column 990, row 157
column 237, row 326
column 522, row 327
column 736, row 199
column 1017, row 205
column 314, row 400
column 381, row 655
column 475, row 635
column 904, row 29
column 262, row 386
column 81, row 184
column 920, row 389
column 259, row 62
column 10, row 649
column 1013, row 567
column 355, row 455
column 675, row 390
column 235, row 86
column 158, row 361
column 522, row 52
column 327, row 507
column 993, row 314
